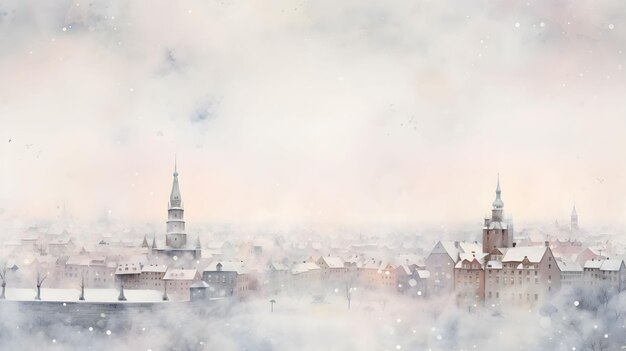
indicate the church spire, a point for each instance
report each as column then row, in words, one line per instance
column 175, row 198
column 574, row 219
column 498, row 203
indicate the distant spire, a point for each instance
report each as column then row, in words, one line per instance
column 145, row 242
column 574, row 214
column 198, row 245
column 154, row 241
column 498, row 203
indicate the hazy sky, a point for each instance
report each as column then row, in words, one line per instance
column 351, row 112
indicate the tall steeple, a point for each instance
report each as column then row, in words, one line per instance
column 175, row 198
column 495, row 230
column 498, row 203
column 176, row 236
column 574, row 220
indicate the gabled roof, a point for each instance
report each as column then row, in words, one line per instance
column 446, row 247
column 277, row 266
column 566, row 266
column 469, row 247
column 611, row 265
column 304, row 267
column 517, row 254
column 594, row 264
column 333, row 262
column 471, row 257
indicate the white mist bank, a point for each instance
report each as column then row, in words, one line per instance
column 376, row 321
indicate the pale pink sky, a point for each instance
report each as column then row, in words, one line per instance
column 351, row 112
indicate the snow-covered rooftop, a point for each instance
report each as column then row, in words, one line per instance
column 304, row 267
column 447, row 247
column 517, row 254
column 423, row 274
column 154, row 268
column 479, row 257
column 611, row 265
column 180, row 274
column 593, row 264
column 333, row 262
column 566, row 266
column 227, row 266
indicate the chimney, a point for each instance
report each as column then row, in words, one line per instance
column 547, row 243
column 514, row 244
column 456, row 244
column 486, row 222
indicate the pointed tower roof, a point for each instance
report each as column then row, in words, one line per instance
column 574, row 214
column 154, row 241
column 498, row 203
column 175, row 198
column 145, row 242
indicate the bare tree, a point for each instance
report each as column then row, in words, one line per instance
column 121, row 297
column 349, row 291
column 3, row 276
column 82, row 287
column 350, row 280
column 40, row 280
column 165, row 296
column 272, row 302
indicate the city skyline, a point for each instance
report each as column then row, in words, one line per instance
column 66, row 209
